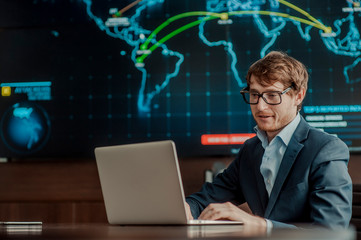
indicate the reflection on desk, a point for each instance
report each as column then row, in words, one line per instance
column 21, row 230
column 103, row 231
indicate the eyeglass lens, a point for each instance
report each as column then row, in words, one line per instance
column 268, row 97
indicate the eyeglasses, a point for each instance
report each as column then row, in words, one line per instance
column 270, row 97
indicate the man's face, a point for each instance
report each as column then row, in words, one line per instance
column 273, row 118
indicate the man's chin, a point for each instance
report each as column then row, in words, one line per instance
column 263, row 125
column 267, row 127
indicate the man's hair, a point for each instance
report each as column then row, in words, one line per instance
column 279, row 67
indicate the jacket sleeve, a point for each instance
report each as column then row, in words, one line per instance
column 331, row 186
column 225, row 187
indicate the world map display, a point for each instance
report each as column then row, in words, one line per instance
column 141, row 70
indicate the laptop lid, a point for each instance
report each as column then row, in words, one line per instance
column 141, row 183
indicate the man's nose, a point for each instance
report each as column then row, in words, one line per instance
column 261, row 105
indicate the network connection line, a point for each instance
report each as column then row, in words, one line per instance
column 283, row 15
column 170, row 35
column 328, row 29
column 126, row 8
column 174, row 18
column 224, row 15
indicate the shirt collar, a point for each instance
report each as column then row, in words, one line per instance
column 285, row 135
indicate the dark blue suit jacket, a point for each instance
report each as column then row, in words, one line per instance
column 312, row 185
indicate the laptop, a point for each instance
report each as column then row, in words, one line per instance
column 141, row 184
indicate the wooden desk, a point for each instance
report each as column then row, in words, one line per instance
column 104, row 231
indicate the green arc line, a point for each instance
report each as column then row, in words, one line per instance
column 212, row 16
column 144, row 46
column 172, row 34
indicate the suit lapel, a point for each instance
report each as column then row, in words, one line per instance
column 261, row 188
column 293, row 149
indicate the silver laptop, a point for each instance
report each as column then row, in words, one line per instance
column 141, row 184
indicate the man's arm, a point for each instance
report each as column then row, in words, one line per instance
column 225, row 188
column 331, row 186
column 219, row 200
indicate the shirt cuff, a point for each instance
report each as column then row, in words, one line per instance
column 269, row 226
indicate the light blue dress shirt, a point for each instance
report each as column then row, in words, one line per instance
column 273, row 155
column 274, row 151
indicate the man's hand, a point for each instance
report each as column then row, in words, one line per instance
column 188, row 211
column 228, row 211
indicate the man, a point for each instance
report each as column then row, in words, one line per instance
column 290, row 172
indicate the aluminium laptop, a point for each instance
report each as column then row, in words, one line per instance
column 141, row 184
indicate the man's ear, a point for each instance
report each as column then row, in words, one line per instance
column 300, row 96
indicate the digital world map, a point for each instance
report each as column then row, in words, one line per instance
column 145, row 41
column 141, row 70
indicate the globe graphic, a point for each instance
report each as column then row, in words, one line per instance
column 25, row 128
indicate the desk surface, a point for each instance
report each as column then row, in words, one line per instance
column 104, row 231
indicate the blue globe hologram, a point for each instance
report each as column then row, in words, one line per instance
column 25, row 128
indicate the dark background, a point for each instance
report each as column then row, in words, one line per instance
column 96, row 85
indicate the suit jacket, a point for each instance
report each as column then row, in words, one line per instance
column 312, row 184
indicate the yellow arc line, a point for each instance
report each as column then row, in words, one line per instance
column 284, row 15
column 300, row 11
column 314, row 22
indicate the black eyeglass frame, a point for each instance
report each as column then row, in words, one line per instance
column 260, row 95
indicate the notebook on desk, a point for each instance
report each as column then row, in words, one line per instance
column 141, row 184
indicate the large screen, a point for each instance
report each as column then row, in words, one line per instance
column 77, row 74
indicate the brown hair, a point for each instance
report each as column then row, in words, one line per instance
column 279, row 67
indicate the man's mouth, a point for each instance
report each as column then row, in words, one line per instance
column 263, row 116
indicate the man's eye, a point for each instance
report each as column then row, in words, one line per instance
column 272, row 95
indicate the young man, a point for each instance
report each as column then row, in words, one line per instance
column 290, row 172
